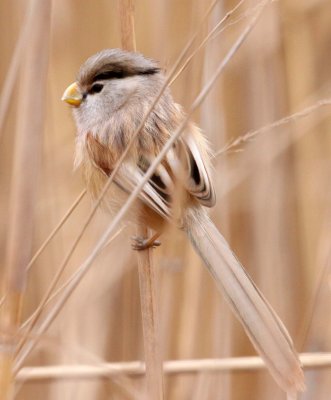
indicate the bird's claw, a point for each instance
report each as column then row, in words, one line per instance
column 140, row 243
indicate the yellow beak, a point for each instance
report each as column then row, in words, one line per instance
column 72, row 95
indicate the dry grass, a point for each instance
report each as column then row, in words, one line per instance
column 24, row 188
column 273, row 197
column 309, row 361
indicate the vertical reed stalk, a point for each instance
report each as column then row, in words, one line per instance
column 147, row 280
column 13, row 70
column 126, row 15
column 148, row 299
column 27, row 164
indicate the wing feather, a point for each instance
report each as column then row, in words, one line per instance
column 186, row 162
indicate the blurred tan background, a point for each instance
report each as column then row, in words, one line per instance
column 273, row 195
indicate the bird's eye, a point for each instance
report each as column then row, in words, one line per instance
column 96, row 88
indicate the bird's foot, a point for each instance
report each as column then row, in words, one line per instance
column 140, row 243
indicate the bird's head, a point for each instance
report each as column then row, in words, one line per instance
column 109, row 81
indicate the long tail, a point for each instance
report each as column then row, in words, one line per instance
column 264, row 328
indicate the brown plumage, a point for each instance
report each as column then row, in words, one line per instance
column 114, row 90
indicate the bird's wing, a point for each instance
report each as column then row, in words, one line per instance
column 184, row 163
column 194, row 157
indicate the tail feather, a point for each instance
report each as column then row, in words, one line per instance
column 264, row 328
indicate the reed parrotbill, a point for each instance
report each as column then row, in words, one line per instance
column 113, row 91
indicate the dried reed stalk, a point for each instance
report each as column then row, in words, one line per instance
column 67, row 290
column 13, row 70
column 32, row 321
column 56, row 229
column 281, row 146
column 82, row 371
column 27, row 323
column 49, row 238
column 149, row 311
column 147, row 280
column 126, row 18
column 220, row 316
column 208, row 37
column 299, row 53
column 27, row 164
column 251, row 135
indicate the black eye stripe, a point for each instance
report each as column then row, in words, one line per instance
column 109, row 75
column 120, row 74
column 150, row 71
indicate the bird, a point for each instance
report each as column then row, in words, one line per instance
column 113, row 91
